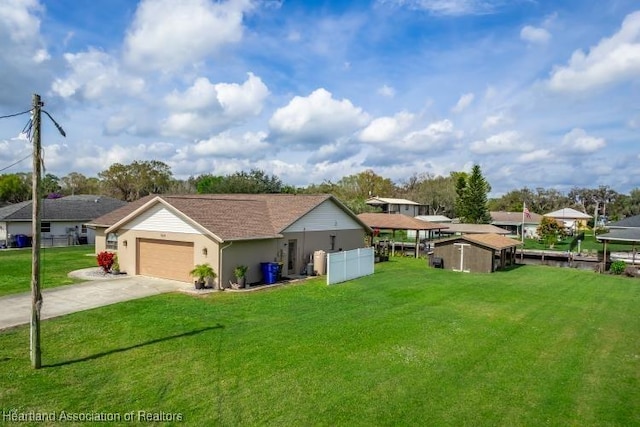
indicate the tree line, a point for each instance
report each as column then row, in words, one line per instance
column 460, row 194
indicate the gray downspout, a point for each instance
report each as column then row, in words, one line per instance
column 220, row 282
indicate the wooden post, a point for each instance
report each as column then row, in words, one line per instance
column 36, row 295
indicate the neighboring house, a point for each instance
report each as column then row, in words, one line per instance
column 476, row 253
column 61, row 221
column 572, row 219
column 629, row 222
column 625, row 231
column 513, row 221
column 166, row 235
column 395, row 206
column 433, row 219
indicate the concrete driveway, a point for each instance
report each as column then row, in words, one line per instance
column 16, row 309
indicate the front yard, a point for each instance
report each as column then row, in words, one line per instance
column 407, row 346
column 55, row 263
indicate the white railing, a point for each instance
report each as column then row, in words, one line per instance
column 347, row 265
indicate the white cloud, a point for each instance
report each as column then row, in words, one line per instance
column 387, row 91
column 205, row 106
column 41, row 55
column 612, row 60
column 242, row 100
column 233, row 99
column 495, row 120
column 579, row 142
column 435, row 135
column 464, row 101
column 535, row 34
column 19, row 20
column 23, row 55
column 316, row 118
column 535, row 156
column 167, row 38
column 384, row 129
column 449, row 7
column 227, row 145
column 503, row 142
column 95, row 76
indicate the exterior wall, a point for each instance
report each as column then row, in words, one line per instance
column 309, row 242
column 477, row 259
column 159, row 218
column 58, row 236
column 325, row 217
column 411, row 210
column 14, row 228
column 158, row 223
column 250, row 253
column 100, row 239
column 127, row 252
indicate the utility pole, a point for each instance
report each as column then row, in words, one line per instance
column 36, row 294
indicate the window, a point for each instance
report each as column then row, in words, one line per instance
column 45, row 227
column 332, row 240
column 83, row 229
column 112, row 241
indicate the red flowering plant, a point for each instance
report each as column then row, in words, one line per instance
column 106, row 260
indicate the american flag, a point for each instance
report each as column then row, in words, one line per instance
column 526, row 212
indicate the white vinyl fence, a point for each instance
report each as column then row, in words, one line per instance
column 347, row 265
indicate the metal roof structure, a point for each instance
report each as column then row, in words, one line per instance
column 459, row 228
column 568, row 213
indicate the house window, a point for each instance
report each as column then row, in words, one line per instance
column 332, row 241
column 83, row 229
column 112, row 241
column 45, row 227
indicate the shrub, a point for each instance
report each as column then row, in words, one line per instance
column 618, row 267
column 106, row 260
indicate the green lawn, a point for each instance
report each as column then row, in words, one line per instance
column 407, row 346
column 55, row 264
column 589, row 243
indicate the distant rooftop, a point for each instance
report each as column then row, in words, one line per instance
column 389, row 201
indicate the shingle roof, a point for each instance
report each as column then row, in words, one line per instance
column 398, row 222
column 71, row 208
column 631, row 234
column 632, row 221
column 233, row 216
column 514, row 218
column 490, row 240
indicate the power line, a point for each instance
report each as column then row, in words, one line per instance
column 14, row 115
column 15, row 163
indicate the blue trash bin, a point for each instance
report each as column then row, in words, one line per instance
column 270, row 272
column 21, row 241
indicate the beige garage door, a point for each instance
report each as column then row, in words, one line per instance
column 165, row 259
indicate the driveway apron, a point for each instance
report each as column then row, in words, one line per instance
column 16, row 309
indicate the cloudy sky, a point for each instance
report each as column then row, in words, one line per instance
column 539, row 93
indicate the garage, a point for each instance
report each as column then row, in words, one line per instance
column 165, row 259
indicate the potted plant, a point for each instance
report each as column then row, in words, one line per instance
column 241, row 275
column 202, row 273
column 115, row 267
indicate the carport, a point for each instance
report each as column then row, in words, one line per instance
column 393, row 222
column 619, row 235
